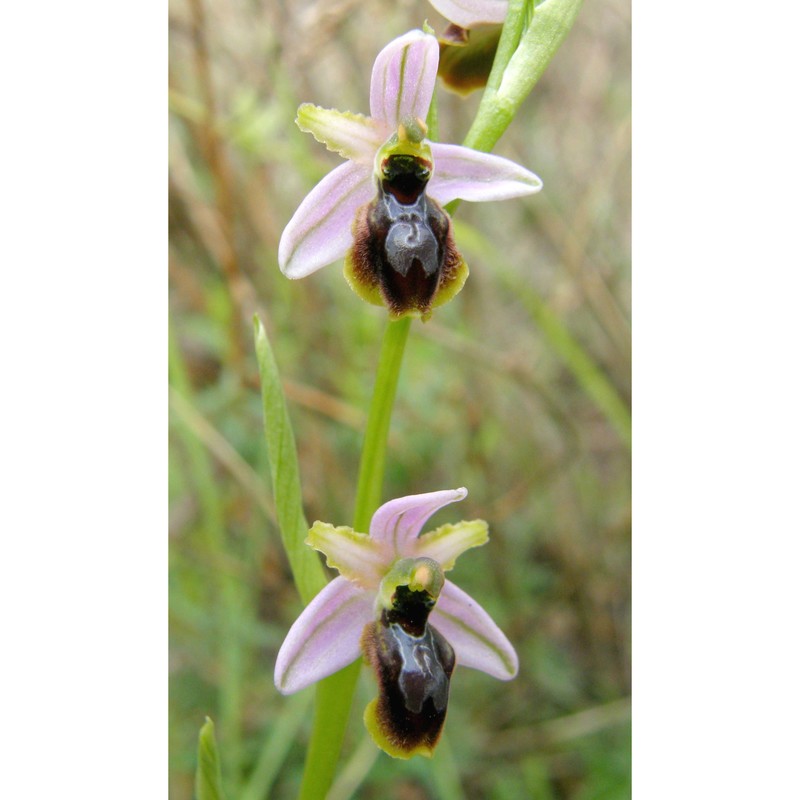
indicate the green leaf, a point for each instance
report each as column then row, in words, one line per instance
column 208, row 778
column 373, row 453
column 309, row 576
column 335, row 694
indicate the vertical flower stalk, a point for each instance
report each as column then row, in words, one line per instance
column 383, row 211
column 531, row 35
column 335, row 693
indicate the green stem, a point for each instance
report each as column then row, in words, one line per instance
column 528, row 41
column 506, row 47
column 373, row 454
column 335, row 694
column 494, row 116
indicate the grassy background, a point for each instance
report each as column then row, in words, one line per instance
column 519, row 390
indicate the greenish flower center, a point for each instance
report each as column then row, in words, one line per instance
column 405, row 177
column 409, row 590
column 404, row 164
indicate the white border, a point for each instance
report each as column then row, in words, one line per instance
column 716, row 400
column 84, row 399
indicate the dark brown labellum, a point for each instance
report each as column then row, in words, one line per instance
column 414, row 679
column 403, row 243
column 411, row 259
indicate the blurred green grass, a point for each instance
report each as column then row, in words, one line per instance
column 490, row 397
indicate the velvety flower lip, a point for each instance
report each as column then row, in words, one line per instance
column 403, row 80
column 468, row 13
column 327, row 635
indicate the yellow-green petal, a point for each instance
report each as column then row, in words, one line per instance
column 357, row 557
column 352, row 136
column 446, row 543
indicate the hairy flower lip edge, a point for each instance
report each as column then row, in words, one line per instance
column 316, row 648
column 413, row 671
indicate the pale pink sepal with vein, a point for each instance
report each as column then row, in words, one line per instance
column 478, row 642
column 325, row 637
column 398, row 522
column 403, row 78
column 320, row 232
column 462, row 173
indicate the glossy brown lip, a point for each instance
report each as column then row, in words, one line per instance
column 406, row 249
column 413, row 663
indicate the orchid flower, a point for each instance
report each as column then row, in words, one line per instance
column 392, row 602
column 382, row 209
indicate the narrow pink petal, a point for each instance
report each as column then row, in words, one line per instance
column 478, row 642
column 321, row 229
column 403, row 78
column 468, row 13
column 397, row 524
column 459, row 172
column 325, row 637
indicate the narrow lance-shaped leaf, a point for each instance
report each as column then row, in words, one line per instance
column 309, row 577
column 208, row 778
